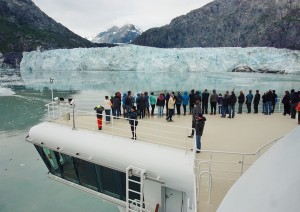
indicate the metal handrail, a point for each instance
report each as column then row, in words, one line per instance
column 57, row 110
column 239, row 153
column 210, row 171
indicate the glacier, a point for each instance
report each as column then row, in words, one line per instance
column 138, row 68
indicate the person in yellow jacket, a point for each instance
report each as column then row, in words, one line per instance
column 171, row 105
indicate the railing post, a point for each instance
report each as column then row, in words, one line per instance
column 112, row 124
column 209, row 186
column 73, row 106
column 134, row 130
column 242, row 164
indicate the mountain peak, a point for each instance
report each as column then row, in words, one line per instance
column 124, row 34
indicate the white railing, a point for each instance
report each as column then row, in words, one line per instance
column 89, row 104
column 237, row 166
column 149, row 131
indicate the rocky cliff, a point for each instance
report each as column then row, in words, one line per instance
column 24, row 27
column 231, row 23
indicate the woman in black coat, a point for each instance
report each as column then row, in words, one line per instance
column 286, row 103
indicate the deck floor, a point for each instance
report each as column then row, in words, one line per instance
column 246, row 133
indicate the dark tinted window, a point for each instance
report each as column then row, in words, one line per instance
column 109, row 181
column 49, row 159
column 87, row 174
column 68, row 168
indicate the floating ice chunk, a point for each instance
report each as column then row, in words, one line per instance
column 6, row 92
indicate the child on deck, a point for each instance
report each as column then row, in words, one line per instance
column 99, row 109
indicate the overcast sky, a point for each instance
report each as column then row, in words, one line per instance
column 89, row 17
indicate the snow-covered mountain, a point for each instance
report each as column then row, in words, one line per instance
column 115, row 34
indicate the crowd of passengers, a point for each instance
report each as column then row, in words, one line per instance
column 222, row 104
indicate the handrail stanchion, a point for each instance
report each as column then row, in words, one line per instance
column 242, row 164
column 209, row 186
column 73, row 106
column 134, row 129
column 195, row 142
column 112, row 125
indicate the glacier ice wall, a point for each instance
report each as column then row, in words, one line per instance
column 135, row 67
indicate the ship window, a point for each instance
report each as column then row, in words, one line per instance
column 68, row 168
column 109, row 181
column 87, row 174
column 49, row 159
column 122, row 180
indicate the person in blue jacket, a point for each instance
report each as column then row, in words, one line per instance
column 248, row 102
column 147, row 111
column 185, row 101
column 123, row 104
column 152, row 103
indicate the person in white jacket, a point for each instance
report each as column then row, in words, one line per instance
column 107, row 108
column 171, row 105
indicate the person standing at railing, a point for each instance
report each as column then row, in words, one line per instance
column 248, row 102
column 274, row 100
column 128, row 102
column 269, row 97
column 205, row 97
column 294, row 99
column 256, row 101
column 185, row 101
column 213, row 102
column 107, row 108
column 225, row 106
column 178, row 102
column 231, row 105
column 241, row 100
column 99, row 110
column 132, row 117
column 147, row 111
column 152, row 103
column 286, row 103
column 167, row 97
column 142, row 105
column 124, row 104
column 192, row 101
column 171, row 106
column 298, row 107
column 160, row 104
column 199, row 127
column 264, row 103
column 220, row 102
column 116, row 105
column 196, row 110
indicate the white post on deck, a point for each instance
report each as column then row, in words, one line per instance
column 51, row 82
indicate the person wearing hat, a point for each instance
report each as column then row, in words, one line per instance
column 132, row 117
column 199, row 126
column 99, row 109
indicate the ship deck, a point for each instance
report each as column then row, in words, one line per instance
column 229, row 146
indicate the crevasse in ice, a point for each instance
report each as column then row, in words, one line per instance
column 146, row 68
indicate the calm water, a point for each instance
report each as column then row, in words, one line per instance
column 24, row 185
